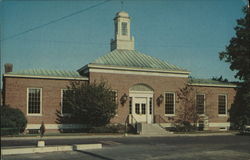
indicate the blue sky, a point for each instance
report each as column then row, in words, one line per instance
column 187, row 33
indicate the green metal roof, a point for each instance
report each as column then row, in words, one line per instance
column 209, row 82
column 47, row 73
column 134, row 59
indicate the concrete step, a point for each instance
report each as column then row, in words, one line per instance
column 151, row 129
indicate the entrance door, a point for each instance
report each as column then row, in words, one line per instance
column 140, row 109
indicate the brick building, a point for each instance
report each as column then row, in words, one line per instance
column 148, row 85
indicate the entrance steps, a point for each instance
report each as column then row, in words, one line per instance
column 151, row 129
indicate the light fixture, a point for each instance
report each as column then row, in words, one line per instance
column 124, row 98
column 159, row 100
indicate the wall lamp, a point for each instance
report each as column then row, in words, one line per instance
column 159, row 100
column 124, row 98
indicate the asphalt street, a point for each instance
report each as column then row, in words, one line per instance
column 148, row 148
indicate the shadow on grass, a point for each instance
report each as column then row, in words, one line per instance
column 94, row 155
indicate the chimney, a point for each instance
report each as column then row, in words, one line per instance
column 8, row 67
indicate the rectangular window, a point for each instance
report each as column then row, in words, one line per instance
column 143, row 108
column 200, row 103
column 169, row 103
column 222, row 104
column 65, row 108
column 34, row 100
column 130, row 105
column 137, row 108
column 124, row 28
column 150, row 106
column 114, row 97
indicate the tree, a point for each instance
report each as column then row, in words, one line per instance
column 187, row 116
column 221, row 79
column 12, row 119
column 90, row 104
column 237, row 53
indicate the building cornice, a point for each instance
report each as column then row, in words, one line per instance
column 214, row 85
column 87, row 68
column 45, row 77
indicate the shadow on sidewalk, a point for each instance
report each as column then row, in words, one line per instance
column 94, row 155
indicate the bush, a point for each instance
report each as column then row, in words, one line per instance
column 185, row 126
column 13, row 120
column 118, row 128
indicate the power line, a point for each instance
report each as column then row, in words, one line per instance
column 54, row 21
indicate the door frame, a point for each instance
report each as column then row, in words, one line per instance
column 147, row 95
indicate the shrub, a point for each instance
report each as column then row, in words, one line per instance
column 13, row 120
column 115, row 128
column 184, row 126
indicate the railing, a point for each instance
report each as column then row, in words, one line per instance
column 130, row 120
column 159, row 119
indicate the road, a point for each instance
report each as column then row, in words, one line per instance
column 150, row 148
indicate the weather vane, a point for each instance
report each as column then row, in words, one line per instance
column 122, row 5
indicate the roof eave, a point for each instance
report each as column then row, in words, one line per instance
column 213, row 85
column 134, row 69
column 45, row 77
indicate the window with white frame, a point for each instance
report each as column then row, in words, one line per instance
column 222, row 104
column 34, row 100
column 200, row 103
column 65, row 108
column 169, row 103
column 124, row 28
column 114, row 96
column 150, row 105
column 130, row 105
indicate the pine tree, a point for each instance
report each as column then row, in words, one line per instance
column 238, row 55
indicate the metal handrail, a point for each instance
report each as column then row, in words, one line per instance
column 133, row 121
column 159, row 121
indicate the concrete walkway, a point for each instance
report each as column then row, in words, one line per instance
column 87, row 136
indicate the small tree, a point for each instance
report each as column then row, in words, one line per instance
column 90, row 104
column 12, row 118
column 187, row 116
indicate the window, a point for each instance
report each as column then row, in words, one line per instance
column 222, row 104
column 137, row 108
column 130, row 105
column 114, row 97
column 65, row 108
column 124, row 28
column 34, row 100
column 150, row 106
column 200, row 103
column 169, row 103
column 143, row 108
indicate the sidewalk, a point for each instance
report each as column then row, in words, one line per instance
column 85, row 135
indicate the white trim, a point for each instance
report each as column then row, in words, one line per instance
column 54, row 126
column 27, row 105
column 226, row 114
column 130, row 69
column 170, row 115
column 138, row 72
column 223, row 124
column 214, row 85
column 45, row 77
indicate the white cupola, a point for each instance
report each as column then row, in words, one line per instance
column 122, row 39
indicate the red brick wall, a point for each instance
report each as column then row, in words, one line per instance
column 211, row 101
column 122, row 83
column 16, row 96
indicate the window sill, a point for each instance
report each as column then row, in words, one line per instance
column 222, row 115
column 170, row 115
column 30, row 114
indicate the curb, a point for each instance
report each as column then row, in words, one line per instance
column 50, row 149
column 117, row 136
